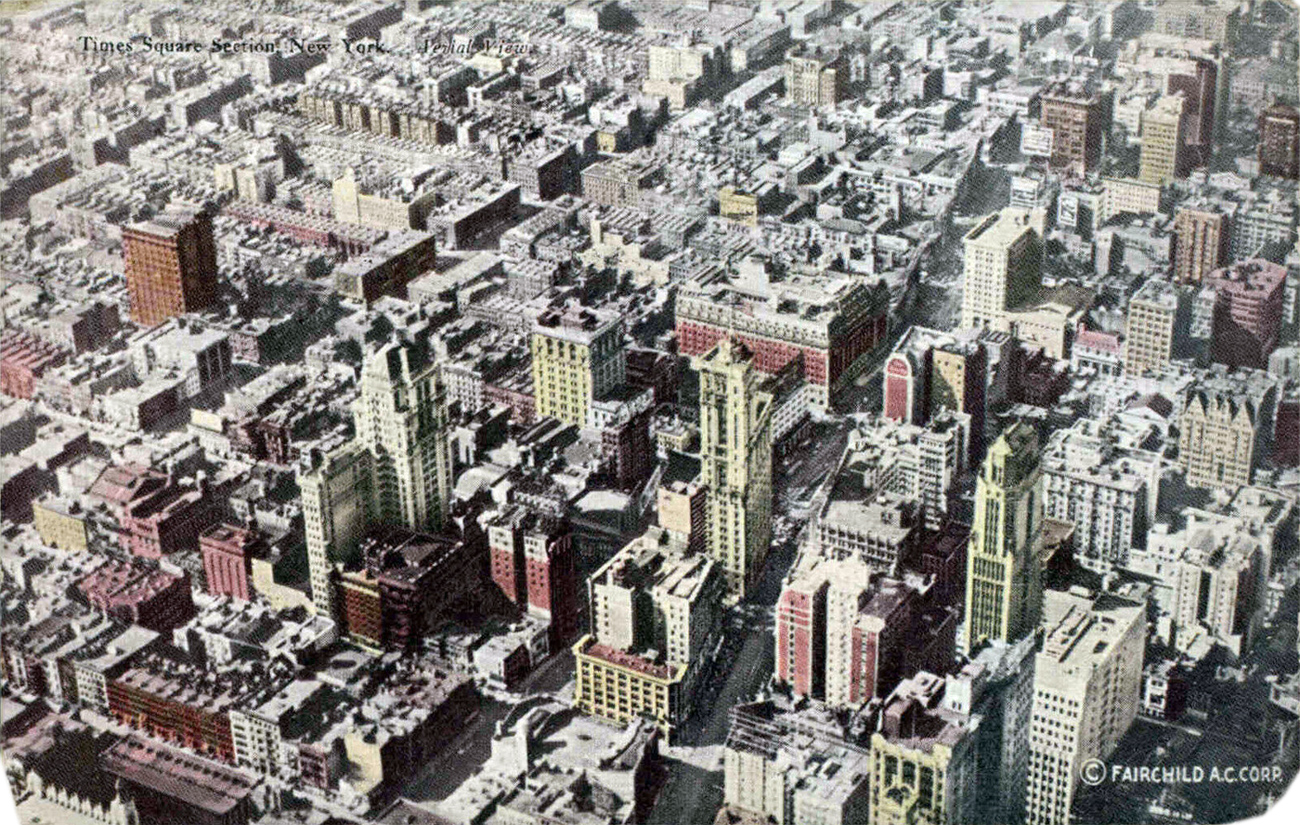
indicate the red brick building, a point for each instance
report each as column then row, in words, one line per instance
column 23, row 359
column 156, row 514
column 531, row 561
column 405, row 581
column 801, row 637
column 228, row 553
column 171, row 266
column 136, row 594
column 628, row 450
column 832, row 332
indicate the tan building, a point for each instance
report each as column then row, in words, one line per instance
column 682, row 510
column 1149, row 333
column 1201, row 239
column 392, row 211
column 1216, row 444
column 1002, row 259
column 1120, row 196
column 814, row 78
column 60, row 523
column 738, row 206
column 577, row 358
column 736, row 461
column 1087, row 679
column 1164, row 135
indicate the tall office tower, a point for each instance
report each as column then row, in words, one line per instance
column 1087, row 679
column 1003, row 584
column 578, row 357
column 1248, row 312
column 736, row 461
column 1197, row 85
column 1163, row 137
column 1077, row 121
column 401, row 418
column 925, row 759
column 1201, row 238
column 171, row 266
column 1279, row 142
column 396, row 471
column 997, row 685
column 1151, row 329
column 801, row 634
column 814, row 78
column 1216, row 445
column 1003, row 257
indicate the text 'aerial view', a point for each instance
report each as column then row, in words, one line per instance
column 632, row 412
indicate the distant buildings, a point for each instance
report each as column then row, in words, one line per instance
column 171, row 266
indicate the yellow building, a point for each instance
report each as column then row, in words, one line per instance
column 1164, row 128
column 740, row 207
column 620, row 686
column 1003, row 582
column 924, row 759
column 578, row 357
column 1149, row 332
column 735, row 461
column 60, row 523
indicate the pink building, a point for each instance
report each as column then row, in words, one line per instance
column 228, row 553
column 136, row 594
column 1248, row 313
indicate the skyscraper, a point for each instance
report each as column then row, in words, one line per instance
column 1003, row 255
column 396, row 471
column 1164, row 135
column 736, row 461
column 1201, row 238
column 1003, row 586
column 578, row 357
column 813, row 78
column 1086, row 683
column 171, row 266
column 1279, row 142
column 1197, row 84
column 1216, row 445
